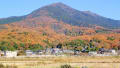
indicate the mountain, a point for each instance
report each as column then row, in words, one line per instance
column 11, row 19
column 62, row 12
column 58, row 23
column 72, row 16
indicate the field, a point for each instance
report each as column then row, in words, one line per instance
column 56, row 62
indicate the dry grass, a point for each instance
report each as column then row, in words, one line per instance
column 56, row 62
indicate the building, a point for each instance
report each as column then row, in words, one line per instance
column 113, row 52
column 92, row 53
column 33, row 53
column 104, row 53
column 39, row 52
column 10, row 53
column 29, row 52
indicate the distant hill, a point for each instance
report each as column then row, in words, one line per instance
column 11, row 19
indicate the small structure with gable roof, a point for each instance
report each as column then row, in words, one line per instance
column 10, row 53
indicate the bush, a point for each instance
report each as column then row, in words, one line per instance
column 66, row 66
column 84, row 67
column 111, row 38
column 2, row 66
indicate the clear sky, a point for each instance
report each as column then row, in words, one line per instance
column 106, row 8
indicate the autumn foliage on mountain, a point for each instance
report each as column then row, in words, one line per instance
column 59, row 24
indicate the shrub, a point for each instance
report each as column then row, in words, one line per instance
column 111, row 38
column 66, row 66
column 2, row 66
column 84, row 67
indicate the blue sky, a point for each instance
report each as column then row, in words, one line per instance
column 106, row 8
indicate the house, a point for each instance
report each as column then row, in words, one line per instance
column 10, row 53
column 92, row 53
column 113, row 52
column 103, row 53
column 33, row 53
column 53, row 51
column 118, row 52
column 101, row 50
column 68, row 51
column 29, row 53
column 57, row 51
column 48, row 51
column 39, row 52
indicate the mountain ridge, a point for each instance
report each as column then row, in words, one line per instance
column 68, row 15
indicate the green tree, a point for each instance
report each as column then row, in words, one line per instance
column 15, row 46
column 3, row 48
column 35, row 47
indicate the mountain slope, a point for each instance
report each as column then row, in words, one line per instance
column 68, row 15
column 53, row 24
column 11, row 19
column 72, row 16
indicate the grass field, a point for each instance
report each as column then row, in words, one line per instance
column 56, row 62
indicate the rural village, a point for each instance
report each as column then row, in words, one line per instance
column 58, row 51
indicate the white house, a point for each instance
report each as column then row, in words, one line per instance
column 29, row 52
column 114, row 52
column 68, row 51
column 92, row 53
column 10, row 53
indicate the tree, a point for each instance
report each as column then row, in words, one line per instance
column 35, row 47
column 76, row 43
column 15, row 46
column 22, row 46
column 3, row 48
